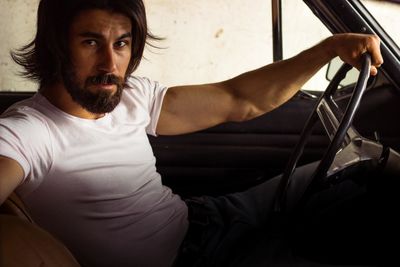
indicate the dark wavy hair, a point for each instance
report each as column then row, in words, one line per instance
column 46, row 57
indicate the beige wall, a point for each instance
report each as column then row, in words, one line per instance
column 206, row 41
column 17, row 22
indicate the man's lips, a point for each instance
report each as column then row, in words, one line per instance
column 105, row 86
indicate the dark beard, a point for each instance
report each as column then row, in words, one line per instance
column 100, row 102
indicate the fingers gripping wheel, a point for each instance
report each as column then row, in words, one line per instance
column 337, row 125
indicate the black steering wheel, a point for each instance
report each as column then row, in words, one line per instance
column 337, row 125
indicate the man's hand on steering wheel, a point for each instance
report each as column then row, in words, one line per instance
column 349, row 47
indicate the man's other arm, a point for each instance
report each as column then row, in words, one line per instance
column 11, row 175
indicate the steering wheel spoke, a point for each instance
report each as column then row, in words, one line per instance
column 329, row 116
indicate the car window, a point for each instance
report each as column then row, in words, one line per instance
column 387, row 14
column 205, row 41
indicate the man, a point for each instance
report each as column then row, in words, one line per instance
column 77, row 152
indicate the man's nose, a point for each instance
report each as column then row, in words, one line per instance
column 107, row 62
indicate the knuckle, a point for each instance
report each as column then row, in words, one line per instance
column 375, row 39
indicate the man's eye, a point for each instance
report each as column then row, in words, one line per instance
column 90, row 42
column 121, row 44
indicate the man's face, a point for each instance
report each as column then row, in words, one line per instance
column 100, row 50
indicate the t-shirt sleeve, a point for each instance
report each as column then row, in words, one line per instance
column 25, row 140
column 153, row 92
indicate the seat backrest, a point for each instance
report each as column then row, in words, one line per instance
column 9, row 98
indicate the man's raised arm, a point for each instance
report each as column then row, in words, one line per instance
column 191, row 108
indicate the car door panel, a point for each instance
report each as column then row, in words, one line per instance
column 235, row 156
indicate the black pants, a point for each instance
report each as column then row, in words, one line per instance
column 241, row 229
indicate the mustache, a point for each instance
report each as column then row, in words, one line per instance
column 105, row 79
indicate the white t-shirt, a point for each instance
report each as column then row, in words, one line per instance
column 93, row 183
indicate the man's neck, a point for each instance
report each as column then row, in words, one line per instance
column 58, row 95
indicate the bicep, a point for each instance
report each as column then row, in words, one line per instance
column 11, row 175
column 192, row 108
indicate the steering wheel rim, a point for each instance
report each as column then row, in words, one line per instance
column 328, row 112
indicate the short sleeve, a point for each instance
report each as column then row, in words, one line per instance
column 25, row 139
column 153, row 93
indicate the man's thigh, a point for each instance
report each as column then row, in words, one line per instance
column 233, row 218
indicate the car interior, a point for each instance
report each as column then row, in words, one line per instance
column 351, row 129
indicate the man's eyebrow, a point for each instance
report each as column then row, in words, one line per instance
column 100, row 36
column 125, row 35
column 91, row 35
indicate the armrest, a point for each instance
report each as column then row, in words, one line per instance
column 14, row 206
column 19, row 235
column 25, row 244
